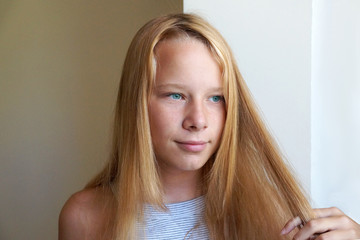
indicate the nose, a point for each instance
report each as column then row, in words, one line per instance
column 195, row 117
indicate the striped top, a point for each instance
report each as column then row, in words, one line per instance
column 184, row 220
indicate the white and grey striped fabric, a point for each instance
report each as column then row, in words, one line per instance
column 184, row 220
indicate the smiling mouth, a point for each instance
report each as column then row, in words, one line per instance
column 192, row 146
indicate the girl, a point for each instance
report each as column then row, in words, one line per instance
column 191, row 158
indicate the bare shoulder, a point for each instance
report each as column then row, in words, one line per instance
column 84, row 214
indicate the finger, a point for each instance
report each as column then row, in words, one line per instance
column 291, row 225
column 318, row 226
column 327, row 212
column 337, row 235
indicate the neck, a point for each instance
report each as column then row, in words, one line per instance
column 181, row 186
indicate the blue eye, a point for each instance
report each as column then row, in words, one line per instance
column 175, row 96
column 216, row 98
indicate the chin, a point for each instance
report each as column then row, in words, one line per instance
column 193, row 166
column 189, row 163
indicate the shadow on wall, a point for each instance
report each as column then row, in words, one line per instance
column 61, row 63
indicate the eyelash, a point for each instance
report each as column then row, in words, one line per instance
column 218, row 98
column 171, row 95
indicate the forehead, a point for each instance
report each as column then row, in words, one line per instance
column 179, row 41
column 186, row 61
column 182, row 50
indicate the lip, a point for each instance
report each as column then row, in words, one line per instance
column 192, row 146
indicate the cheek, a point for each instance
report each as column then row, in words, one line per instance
column 218, row 119
column 163, row 121
column 161, row 117
column 219, row 130
column 220, row 126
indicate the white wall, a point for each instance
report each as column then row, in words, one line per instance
column 336, row 105
column 272, row 44
column 301, row 60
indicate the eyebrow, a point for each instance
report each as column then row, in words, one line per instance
column 180, row 86
column 167, row 85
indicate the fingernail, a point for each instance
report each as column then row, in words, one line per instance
column 283, row 231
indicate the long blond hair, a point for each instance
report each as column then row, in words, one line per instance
column 249, row 191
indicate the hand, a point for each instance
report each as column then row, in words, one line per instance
column 329, row 223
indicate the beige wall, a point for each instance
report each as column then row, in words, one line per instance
column 60, row 62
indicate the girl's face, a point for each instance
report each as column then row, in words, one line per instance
column 186, row 107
